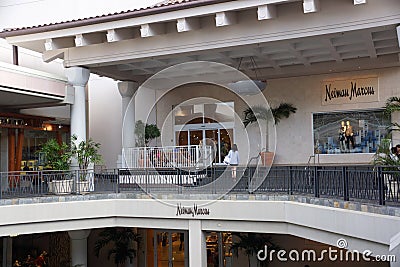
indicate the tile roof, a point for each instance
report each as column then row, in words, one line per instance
column 164, row 6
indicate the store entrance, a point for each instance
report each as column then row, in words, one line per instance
column 220, row 137
column 171, row 249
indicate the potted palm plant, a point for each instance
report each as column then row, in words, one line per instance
column 57, row 157
column 86, row 153
column 122, row 242
column 253, row 114
column 250, row 244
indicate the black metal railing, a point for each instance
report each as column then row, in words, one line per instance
column 372, row 184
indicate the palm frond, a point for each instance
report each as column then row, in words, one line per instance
column 253, row 114
column 394, row 126
column 122, row 240
column 283, row 111
column 392, row 105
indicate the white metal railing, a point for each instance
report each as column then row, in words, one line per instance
column 169, row 156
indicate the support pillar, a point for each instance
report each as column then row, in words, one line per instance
column 78, row 78
column 11, row 150
column 197, row 244
column 127, row 91
column 79, row 247
column 20, row 144
column 7, row 252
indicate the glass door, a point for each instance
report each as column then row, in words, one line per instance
column 219, row 138
column 171, row 249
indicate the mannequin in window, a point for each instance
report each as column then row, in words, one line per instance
column 349, row 135
column 342, row 137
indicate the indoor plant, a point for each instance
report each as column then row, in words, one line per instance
column 255, row 113
column 250, row 244
column 57, row 156
column 145, row 133
column 86, row 153
column 122, row 240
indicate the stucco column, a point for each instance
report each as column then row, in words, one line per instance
column 127, row 91
column 197, row 245
column 79, row 247
column 78, row 78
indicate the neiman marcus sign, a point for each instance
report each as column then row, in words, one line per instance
column 350, row 91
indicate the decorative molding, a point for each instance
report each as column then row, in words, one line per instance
column 360, row 2
column 187, row 24
column 225, row 19
column 311, row 6
column 149, row 30
column 266, row 12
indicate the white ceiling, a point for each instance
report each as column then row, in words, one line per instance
column 355, row 50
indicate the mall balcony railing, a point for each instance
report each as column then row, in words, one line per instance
column 168, row 156
column 365, row 184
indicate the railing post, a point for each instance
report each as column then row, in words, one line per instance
column 381, row 186
column 290, row 189
column 117, row 182
column 316, row 182
column 179, row 172
column 1, row 185
column 145, row 157
column 345, row 184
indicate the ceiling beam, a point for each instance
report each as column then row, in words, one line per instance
column 332, row 49
column 297, row 54
column 51, row 55
column 369, row 43
column 359, row 2
column 310, row 6
column 225, row 19
column 87, row 39
column 266, row 12
column 58, row 43
column 149, row 30
column 187, row 24
column 115, row 35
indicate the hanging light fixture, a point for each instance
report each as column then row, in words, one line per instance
column 248, row 87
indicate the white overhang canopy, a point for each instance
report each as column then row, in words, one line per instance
column 283, row 37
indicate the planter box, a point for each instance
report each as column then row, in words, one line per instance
column 83, row 187
column 60, row 187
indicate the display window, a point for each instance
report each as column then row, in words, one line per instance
column 349, row 132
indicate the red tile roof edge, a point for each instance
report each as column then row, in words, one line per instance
column 162, row 7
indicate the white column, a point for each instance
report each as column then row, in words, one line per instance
column 79, row 247
column 78, row 78
column 197, row 245
column 127, row 91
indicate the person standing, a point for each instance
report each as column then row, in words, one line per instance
column 349, row 135
column 233, row 156
column 342, row 137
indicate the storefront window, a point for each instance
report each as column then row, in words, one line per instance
column 204, row 113
column 349, row 132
